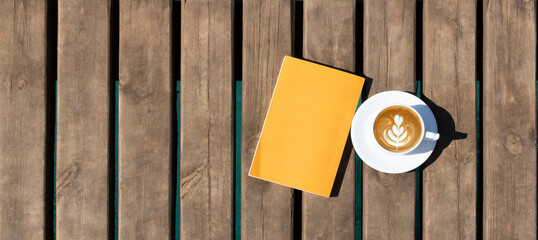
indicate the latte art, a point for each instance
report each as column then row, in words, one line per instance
column 397, row 135
column 397, row 128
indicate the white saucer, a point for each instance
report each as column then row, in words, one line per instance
column 362, row 135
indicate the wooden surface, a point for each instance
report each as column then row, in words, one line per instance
column 509, row 120
column 266, row 208
column 449, row 183
column 82, row 120
column 144, row 120
column 329, row 38
column 22, row 119
column 468, row 190
column 207, row 159
column 389, row 59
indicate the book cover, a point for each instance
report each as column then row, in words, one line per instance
column 306, row 126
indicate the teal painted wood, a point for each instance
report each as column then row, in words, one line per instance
column 238, row 113
column 418, row 193
column 54, row 167
column 116, row 88
column 358, row 192
column 479, row 158
column 116, row 103
column 178, row 180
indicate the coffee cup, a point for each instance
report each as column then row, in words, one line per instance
column 400, row 129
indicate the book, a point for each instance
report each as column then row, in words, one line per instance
column 306, row 126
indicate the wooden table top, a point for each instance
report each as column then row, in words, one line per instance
column 137, row 119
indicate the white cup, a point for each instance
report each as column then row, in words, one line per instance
column 424, row 135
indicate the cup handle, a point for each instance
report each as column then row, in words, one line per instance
column 431, row 136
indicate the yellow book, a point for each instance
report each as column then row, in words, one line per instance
column 306, row 126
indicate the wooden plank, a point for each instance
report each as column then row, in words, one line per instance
column 389, row 59
column 207, row 159
column 509, row 119
column 266, row 208
column 144, row 120
column 449, row 183
column 22, row 118
column 82, row 119
column 329, row 38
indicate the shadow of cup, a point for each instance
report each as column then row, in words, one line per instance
column 446, row 129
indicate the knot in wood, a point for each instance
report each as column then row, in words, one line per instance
column 21, row 83
column 66, row 179
column 513, row 143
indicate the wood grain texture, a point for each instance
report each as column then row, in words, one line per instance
column 266, row 208
column 144, row 120
column 389, row 59
column 22, row 118
column 329, row 38
column 509, row 117
column 449, row 183
column 207, row 157
column 82, row 119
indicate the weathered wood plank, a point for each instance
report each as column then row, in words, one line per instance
column 82, row 115
column 389, row 59
column 449, row 183
column 329, row 38
column 207, row 161
column 266, row 208
column 144, row 120
column 22, row 118
column 509, row 119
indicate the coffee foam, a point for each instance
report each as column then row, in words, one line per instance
column 397, row 128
